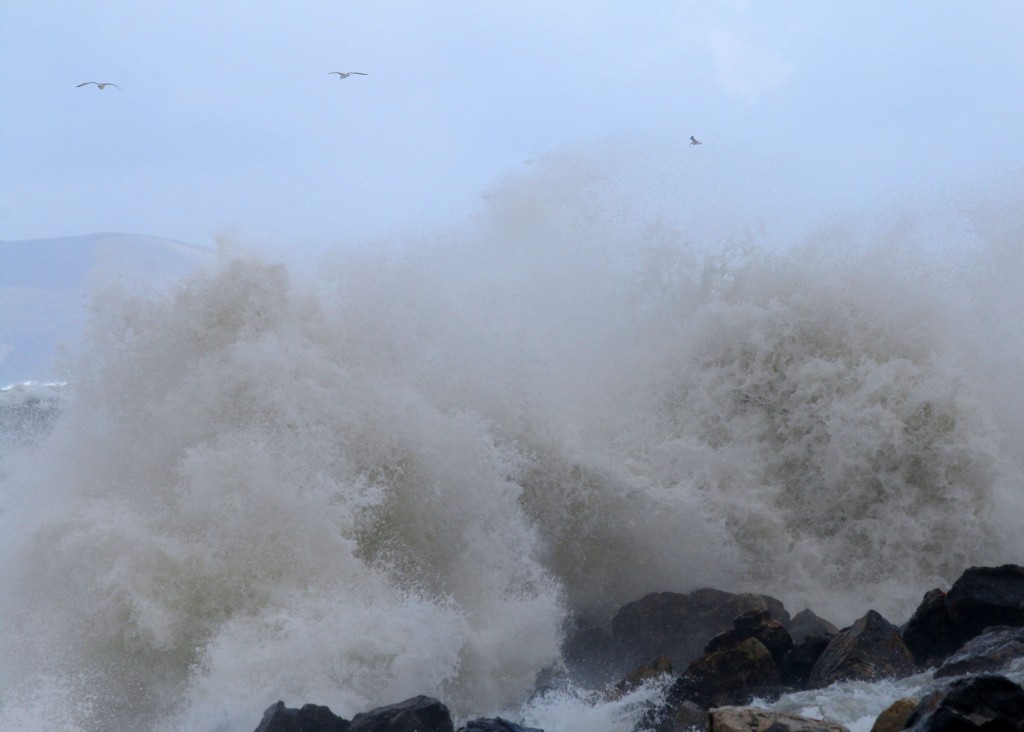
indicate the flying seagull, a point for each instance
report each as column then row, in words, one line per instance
column 695, row 141
column 100, row 84
column 346, row 74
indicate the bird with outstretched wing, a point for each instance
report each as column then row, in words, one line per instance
column 101, row 85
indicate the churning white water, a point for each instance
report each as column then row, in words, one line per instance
column 406, row 476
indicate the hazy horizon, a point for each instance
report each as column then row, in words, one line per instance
column 228, row 122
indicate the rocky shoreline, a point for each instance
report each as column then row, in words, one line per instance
column 733, row 649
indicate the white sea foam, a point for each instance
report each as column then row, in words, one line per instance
column 404, row 477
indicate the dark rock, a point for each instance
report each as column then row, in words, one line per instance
column 657, row 668
column 311, row 718
column 589, row 656
column 688, row 716
column 869, row 650
column 896, row 715
column 988, row 702
column 987, row 596
column 754, row 624
column 753, row 719
column 679, row 625
column 806, row 623
column 800, row 659
column 991, row 651
column 928, row 634
column 980, row 598
column 496, row 724
column 419, row 714
column 551, row 679
column 684, row 716
column 732, row 676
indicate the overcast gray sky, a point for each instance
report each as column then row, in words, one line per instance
column 227, row 119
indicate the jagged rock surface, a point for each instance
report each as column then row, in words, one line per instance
column 806, row 623
column 731, row 676
column 310, row 718
column 799, row 660
column 752, row 719
column 987, row 702
column 992, row 651
column 418, row 714
column 754, row 624
column 678, row 626
column 982, row 597
column 896, row 715
column 495, row 724
column 869, row 650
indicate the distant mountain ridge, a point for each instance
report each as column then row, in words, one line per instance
column 43, row 286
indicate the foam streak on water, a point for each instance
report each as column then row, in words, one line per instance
column 404, row 478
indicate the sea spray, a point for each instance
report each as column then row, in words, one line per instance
column 244, row 511
column 410, row 476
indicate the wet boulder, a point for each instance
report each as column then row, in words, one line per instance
column 678, row 626
column 310, row 718
column 418, row 714
column 657, row 668
column 806, row 623
column 495, row 724
column 929, row 634
column 868, row 650
column 991, row 651
column 754, row 624
column 684, row 716
column 982, row 597
column 730, row 676
column 800, row 659
column 752, row 719
column 590, row 657
column 895, row 715
column 987, row 702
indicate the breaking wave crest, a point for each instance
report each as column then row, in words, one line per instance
column 405, row 476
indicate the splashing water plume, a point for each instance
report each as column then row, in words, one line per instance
column 405, row 477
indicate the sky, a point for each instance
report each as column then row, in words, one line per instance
column 228, row 122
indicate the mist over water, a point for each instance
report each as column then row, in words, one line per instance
column 407, row 475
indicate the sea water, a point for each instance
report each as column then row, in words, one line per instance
column 410, row 474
